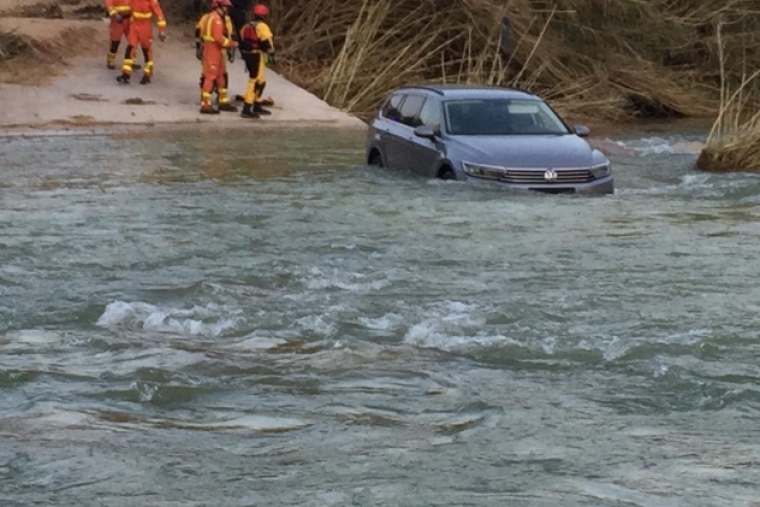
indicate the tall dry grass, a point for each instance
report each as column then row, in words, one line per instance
column 734, row 140
column 30, row 60
column 614, row 58
column 13, row 46
column 611, row 59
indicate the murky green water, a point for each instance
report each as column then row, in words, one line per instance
column 252, row 319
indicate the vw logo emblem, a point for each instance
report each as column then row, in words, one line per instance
column 550, row 175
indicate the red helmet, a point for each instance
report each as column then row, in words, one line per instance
column 220, row 3
column 260, row 10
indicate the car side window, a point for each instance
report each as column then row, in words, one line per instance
column 391, row 107
column 430, row 115
column 410, row 110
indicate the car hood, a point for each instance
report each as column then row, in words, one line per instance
column 541, row 151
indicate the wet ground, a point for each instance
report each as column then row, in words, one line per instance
column 236, row 321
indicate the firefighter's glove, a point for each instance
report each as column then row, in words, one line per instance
column 118, row 17
column 199, row 52
column 231, row 55
column 162, row 37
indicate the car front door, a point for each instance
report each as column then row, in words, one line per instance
column 426, row 153
column 405, row 141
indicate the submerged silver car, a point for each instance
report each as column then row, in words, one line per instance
column 497, row 135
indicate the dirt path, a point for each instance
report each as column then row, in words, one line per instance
column 87, row 94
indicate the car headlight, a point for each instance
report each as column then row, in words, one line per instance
column 484, row 171
column 602, row 170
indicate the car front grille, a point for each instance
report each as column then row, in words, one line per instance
column 537, row 176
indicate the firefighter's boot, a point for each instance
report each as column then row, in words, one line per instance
column 260, row 110
column 248, row 113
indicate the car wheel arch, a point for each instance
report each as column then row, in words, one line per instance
column 375, row 157
column 446, row 168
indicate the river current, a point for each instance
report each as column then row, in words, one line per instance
column 249, row 319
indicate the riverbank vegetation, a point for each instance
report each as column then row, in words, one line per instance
column 13, row 46
column 607, row 59
column 36, row 58
column 18, row 54
column 612, row 60
column 734, row 140
column 738, row 152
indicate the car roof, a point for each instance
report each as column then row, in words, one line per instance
column 465, row 91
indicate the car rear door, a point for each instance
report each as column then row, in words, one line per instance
column 388, row 128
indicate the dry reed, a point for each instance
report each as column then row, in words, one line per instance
column 13, row 46
column 734, row 140
column 614, row 59
column 610, row 59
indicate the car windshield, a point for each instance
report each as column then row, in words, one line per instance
column 501, row 117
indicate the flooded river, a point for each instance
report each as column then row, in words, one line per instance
column 258, row 320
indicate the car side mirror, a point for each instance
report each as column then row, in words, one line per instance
column 582, row 131
column 425, row 131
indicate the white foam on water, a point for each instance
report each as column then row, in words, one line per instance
column 548, row 344
column 63, row 418
column 316, row 324
column 655, row 190
column 619, row 494
column 615, row 349
column 145, row 391
column 429, row 334
column 688, row 183
column 690, row 337
column 696, row 180
column 10, row 269
column 256, row 342
column 247, row 422
column 126, row 362
column 388, row 322
column 663, row 146
column 32, row 338
column 352, row 282
column 646, row 432
column 343, row 246
column 453, row 326
column 459, row 307
column 188, row 322
column 661, row 366
column 46, row 418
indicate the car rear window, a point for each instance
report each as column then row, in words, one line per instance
column 390, row 109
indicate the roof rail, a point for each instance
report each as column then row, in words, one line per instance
column 433, row 88
column 522, row 90
column 424, row 87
